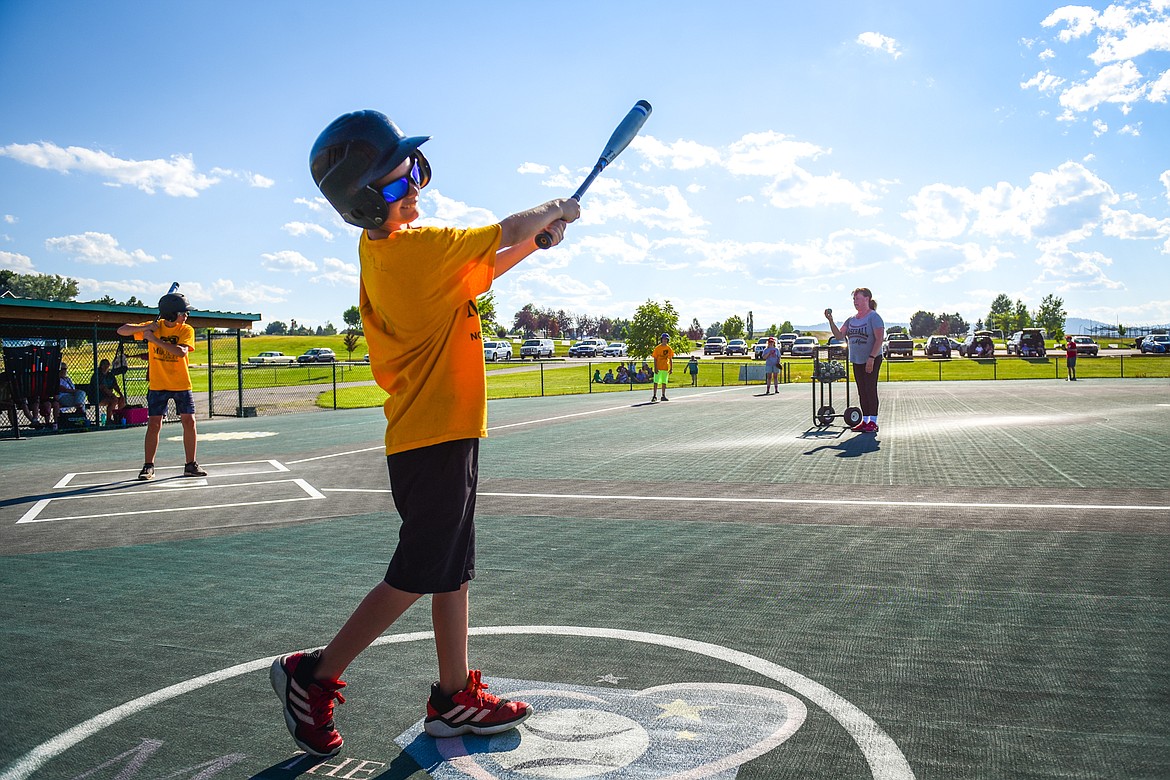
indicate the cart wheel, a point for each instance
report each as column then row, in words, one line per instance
column 852, row 416
column 825, row 415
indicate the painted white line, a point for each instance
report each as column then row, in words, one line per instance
column 276, row 466
column 519, row 424
column 172, row 484
column 31, row 516
column 827, row 502
column 814, row 501
column 339, row 454
column 600, row 411
column 885, row 759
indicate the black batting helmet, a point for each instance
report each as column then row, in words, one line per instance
column 171, row 304
column 352, row 153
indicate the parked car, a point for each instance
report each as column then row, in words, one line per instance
column 615, row 349
column 1028, row 342
column 587, row 348
column 784, row 342
column 1086, row 346
column 759, row 347
column 838, row 348
column 537, row 348
column 804, row 346
column 714, row 345
column 272, row 357
column 937, row 346
column 317, row 355
column 497, row 350
column 898, row 344
column 978, row 344
column 736, row 347
column 1156, row 343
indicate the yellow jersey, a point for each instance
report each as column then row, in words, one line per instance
column 663, row 357
column 417, row 299
column 167, row 371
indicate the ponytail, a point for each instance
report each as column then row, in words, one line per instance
column 872, row 304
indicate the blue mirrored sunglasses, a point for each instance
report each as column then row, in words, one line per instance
column 397, row 189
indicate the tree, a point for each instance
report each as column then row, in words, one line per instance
column 525, row 321
column 650, row 321
column 42, row 287
column 1000, row 314
column 330, row 329
column 923, row 323
column 695, row 332
column 276, row 328
column 350, row 342
column 1120, row 331
column 486, row 306
column 787, row 327
column 773, row 330
column 733, row 327
column 1051, row 316
column 1020, row 317
column 714, row 329
column 751, row 326
column 133, row 301
column 353, row 319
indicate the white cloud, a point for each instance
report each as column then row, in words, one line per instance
column 11, row 261
column 1125, row 33
column 252, row 294
column 879, row 42
column 1064, row 271
column 1165, row 179
column 338, row 272
column 287, row 261
column 529, row 167
column 1079, row 21
column 1045, row 81
column 9, row 219
column 176, row 176
column 305, row 228
column 249, row 178
column 98, row 249
column 1116, row 83
column 1099, row 128
column 680, row 155
column 446, row 212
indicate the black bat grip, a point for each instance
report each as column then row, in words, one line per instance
column 544, row 238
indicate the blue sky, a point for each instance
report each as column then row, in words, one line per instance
column 938, row 153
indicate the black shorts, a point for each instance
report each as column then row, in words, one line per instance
column 434, row 492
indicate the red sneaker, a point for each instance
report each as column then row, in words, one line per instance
column 472, row 711
column 871, row 427
column 308, row 702
column 859, row 428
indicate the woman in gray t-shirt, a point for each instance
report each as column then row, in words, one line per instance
column 864, row 331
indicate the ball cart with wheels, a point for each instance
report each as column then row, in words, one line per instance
column 826, row 373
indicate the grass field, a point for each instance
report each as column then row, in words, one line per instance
column 574, row 378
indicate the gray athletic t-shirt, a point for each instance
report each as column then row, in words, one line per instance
column 861, row 334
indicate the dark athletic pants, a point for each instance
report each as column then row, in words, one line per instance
column 867, row 387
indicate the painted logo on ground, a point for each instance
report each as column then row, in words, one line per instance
column 683, row 730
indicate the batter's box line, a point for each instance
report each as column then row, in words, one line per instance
column 276, row 465
column 312, row 494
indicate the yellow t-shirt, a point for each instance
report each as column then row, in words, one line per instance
column 167, row 371
column 418, row 290
column 663, row 357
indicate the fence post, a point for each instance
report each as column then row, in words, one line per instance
column 239, row 373
column 589, row 375
column 1122, row 359
column 210, row 378
column 722, row 374
column 334, row 364
column 541, row 378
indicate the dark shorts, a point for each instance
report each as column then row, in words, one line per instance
column 156, row 402
column 434, row 492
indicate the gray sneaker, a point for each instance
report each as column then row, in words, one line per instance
column 192, row 470
column 147, row 472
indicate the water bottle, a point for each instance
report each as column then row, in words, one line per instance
column 102, row 416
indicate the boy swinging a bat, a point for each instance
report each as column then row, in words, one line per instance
column 417, row 299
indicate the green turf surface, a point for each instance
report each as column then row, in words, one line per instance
column 1011, row 644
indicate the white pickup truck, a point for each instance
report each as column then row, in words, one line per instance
column 272, row 357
